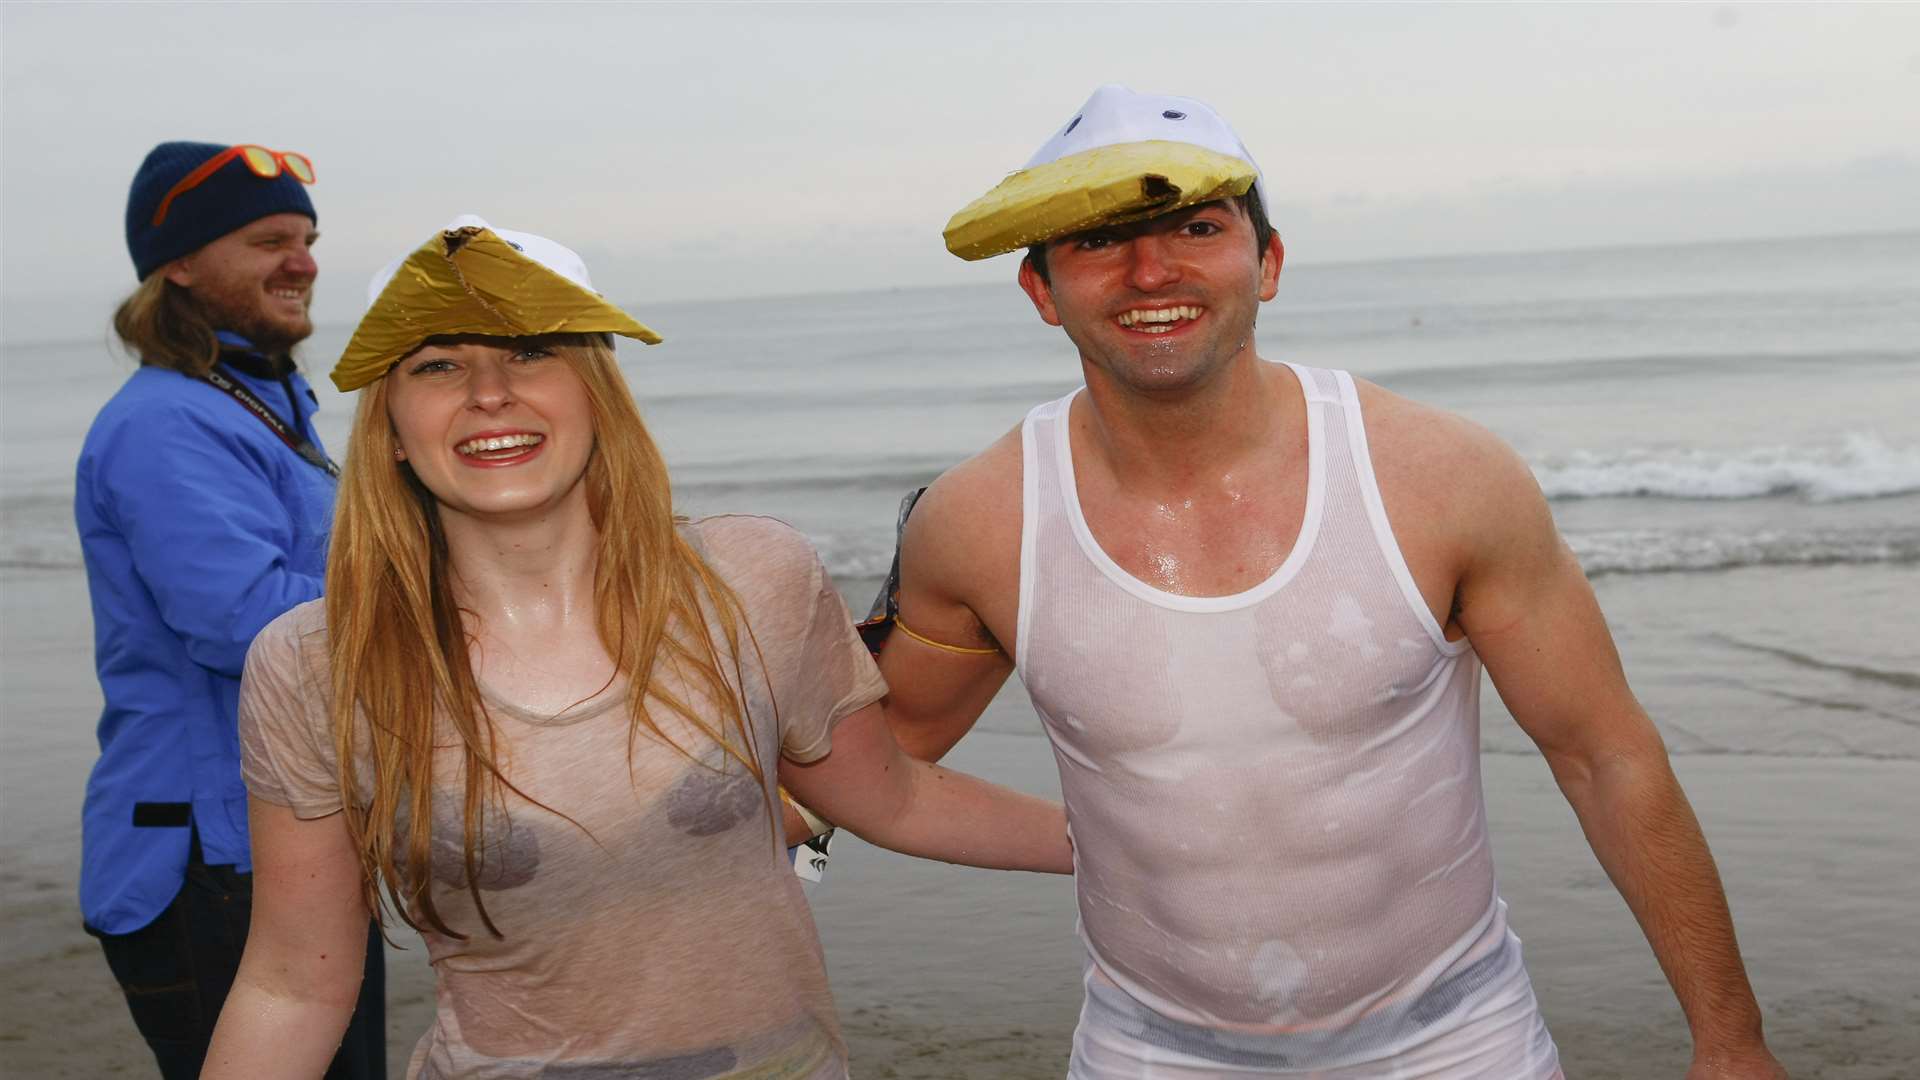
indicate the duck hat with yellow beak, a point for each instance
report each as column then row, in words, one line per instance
column 471, row 278
column 1122, row 157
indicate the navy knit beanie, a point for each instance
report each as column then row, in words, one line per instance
column 233, row 196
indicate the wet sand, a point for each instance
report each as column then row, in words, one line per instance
column 945, row 973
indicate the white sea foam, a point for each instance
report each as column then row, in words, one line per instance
column 1650, row 551
column 1860, row 466
column 857, row 558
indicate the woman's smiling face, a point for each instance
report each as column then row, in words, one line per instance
column 496, row 428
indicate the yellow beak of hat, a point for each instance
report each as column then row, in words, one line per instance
column 1123, row 157
column 470, row 278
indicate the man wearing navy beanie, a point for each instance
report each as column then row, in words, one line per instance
column 203, row 500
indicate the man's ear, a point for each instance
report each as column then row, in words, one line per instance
column 1039, row 292
column 180, row 271
column 1270, row 261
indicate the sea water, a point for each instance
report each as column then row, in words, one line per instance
column 1726, row 434
column 1691, row 408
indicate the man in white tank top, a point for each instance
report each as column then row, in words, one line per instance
column 1251, row 601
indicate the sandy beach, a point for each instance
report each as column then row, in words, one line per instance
column 946, row 973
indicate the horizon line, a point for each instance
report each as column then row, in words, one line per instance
column 1377, row 260
column 1381, row 260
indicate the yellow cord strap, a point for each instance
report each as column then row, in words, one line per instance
column 924, row 640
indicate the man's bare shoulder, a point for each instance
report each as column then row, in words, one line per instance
column 984, row 488
column 1457, row 495
column 1436, row 456
column 969, row 516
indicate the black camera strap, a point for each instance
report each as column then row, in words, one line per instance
column 250, row 401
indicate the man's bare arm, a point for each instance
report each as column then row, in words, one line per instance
column 960, row 551
column 1532, row 617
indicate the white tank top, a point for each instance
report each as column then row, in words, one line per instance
column 1275, row 799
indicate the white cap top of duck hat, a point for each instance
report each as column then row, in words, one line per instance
column 556, row 257
column 1116, row 114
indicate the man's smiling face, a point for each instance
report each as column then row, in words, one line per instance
column 256, row 281
column 1161, row 304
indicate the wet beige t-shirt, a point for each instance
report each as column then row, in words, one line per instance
column 661, row 937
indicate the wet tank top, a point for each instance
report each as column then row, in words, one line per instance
column 1279, row 831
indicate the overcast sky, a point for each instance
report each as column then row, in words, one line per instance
column 693, row 151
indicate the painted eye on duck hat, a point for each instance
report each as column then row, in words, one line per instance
column 471, row 278
column 1123, row 157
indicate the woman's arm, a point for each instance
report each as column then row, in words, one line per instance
column 867, row 784
column 306, row 951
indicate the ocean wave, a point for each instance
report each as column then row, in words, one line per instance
column 850, row 557
column 1638, row 367
column 760, row 396
column 866, row 555
column 750, row 481
column 1861, row 466
column 37, row 533
column 1898, row 680
column 1656, row 551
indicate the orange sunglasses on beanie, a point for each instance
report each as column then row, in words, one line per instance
column 263, row 163
column 187, row 194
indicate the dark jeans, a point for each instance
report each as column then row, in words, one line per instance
column 176, row 972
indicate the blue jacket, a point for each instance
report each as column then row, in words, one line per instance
column 198, row 526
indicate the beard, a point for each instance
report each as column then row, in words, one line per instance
column 241, row 307
column 273, row 337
